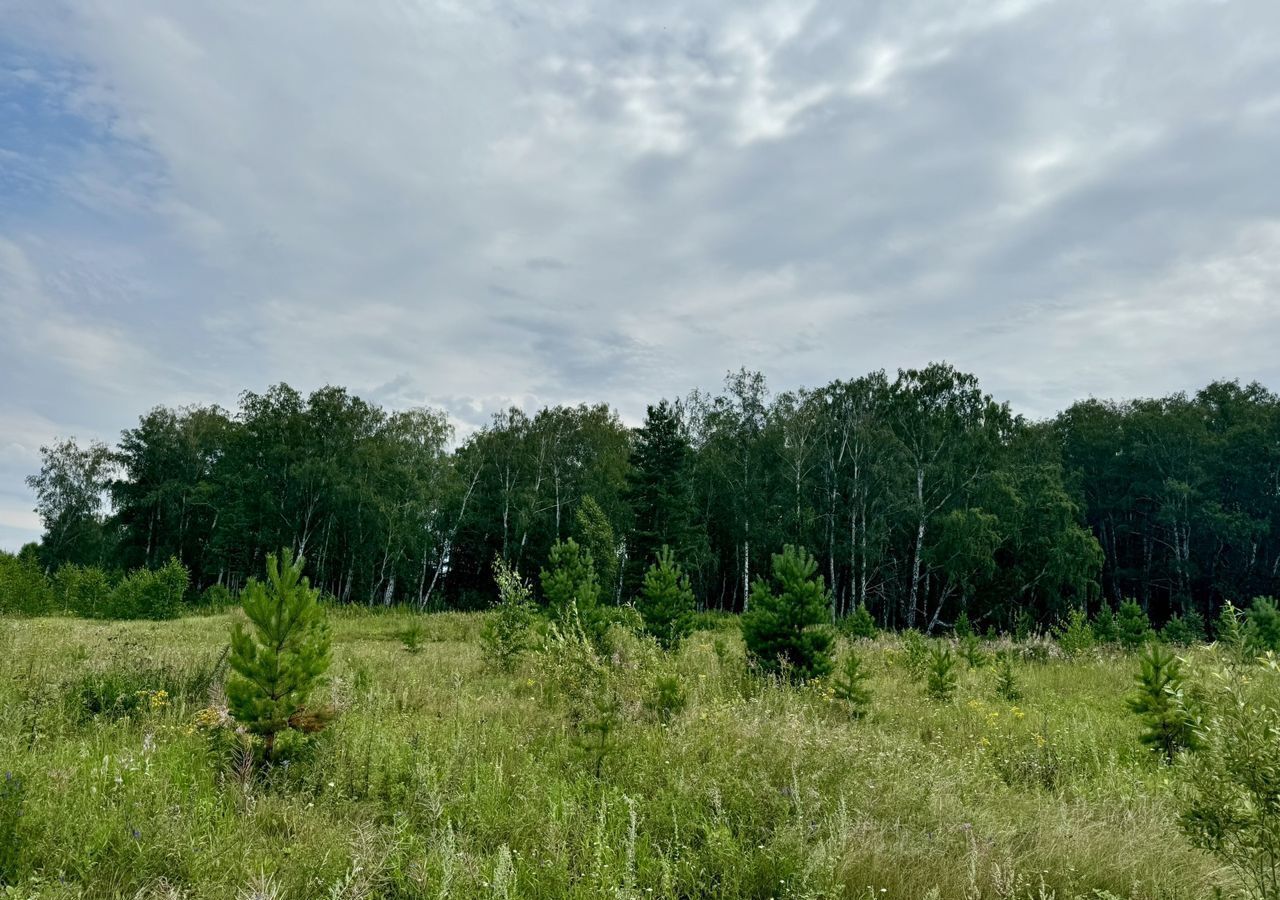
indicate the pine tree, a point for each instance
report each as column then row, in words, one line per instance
column 1184, row 630
column 787, row 627
column 1133, row 628
column 666, row 601
column 940, row 676
column 278, row 663
column 1104, row 625
column 1007, row 687
column 570, row 582
column 850, row 685
column 963, row 627
column 860, row 624
column 1074, row 635
column 1158, row 700
column 1262, row 625
column 1025, row 625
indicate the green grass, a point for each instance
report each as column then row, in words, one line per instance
column 442, row 777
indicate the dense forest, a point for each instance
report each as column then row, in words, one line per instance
column 919, row 494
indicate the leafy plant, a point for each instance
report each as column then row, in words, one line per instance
column 1007, row 687
column 1184, row 630
column 505, row 633
column 1262, row 625
column 915, row 653
column 940, row 682
column 666, row 601
column 82, row 590
column 411, row 636
column 785, row 628
column 850, row 685
column 148, row 593
column 1133, row 628
column 24, row 589
column 278, row 663
column 1158, row 701
column 1227, row 629
column 1025, row 625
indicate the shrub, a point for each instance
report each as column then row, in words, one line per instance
column 278, row 664
column 666, row 698
column 1133, row 628
column 24, row 589
column 850, row 686
column 1227, row 630
column 149, row 593
column 1158, row 700
column 940, row 682
column 1007, row 687
column 1104, row 625
column 786, row 628
column 505, row 633
column 1231, row 804
column 83, row 590
column 860, row 624
column 1184, row 630
column 666, row 602
column 1073, row 634
column 216, row 597
column 1262, row 625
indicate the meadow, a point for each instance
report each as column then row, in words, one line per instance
column 443, row 775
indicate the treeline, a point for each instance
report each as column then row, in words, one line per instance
column 919, row 495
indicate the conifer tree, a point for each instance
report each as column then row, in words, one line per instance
column 569, row 581
column 278, row 663
column 1007, row 687
column 787, row 627
column 940, row 677
column 1262, row 625
column 859, row 623
column 1158, row 700
column 1133, row 628
column 666, row 601
column 963, row 627
column 850, row 685
column 596, row 536
column 1104, row 625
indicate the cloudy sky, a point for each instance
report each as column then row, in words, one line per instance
column 470, row 203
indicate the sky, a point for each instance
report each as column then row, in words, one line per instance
column 473, row 203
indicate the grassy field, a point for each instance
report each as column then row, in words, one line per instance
column 443, row 777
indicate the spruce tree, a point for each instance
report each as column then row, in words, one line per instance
column 1158, row 700
column 1133, row 628
column 276, row 665
column 786, row 627
column 666, row 601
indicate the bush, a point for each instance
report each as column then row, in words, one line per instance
column 1184, row 630
column 148, row 594
column 283, row 658
column 1073, row 634
column 940, row 682
column 1262, row 625
column 860, row 624
column 1158, row 700
column 915, row 653
column 1227, row 630
column 24, row 589
column 666, row 602
column 505, row 633
column 1231, row 804
column 785, row 629
column 217, row 597
column 1133, row 628
column 84, row 591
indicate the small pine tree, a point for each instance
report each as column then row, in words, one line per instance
column 1262, row 625
column 1184, row 630
column 1074, row 634
column 941, row 678
column 1104, row 625
column 971, row 651
column 412, row 634
column 963, row 627
column 915, row 653
column 278, row 663
column 1158, row 700
column 666, row 601
column 850, row 686
column 667, row 698
column 1007, row 687
column 1025, row 625
column 860, row 624
column 1133, row 628
column 1227, row 630
column 504, row 635
column 786, row 628
column 569, row 582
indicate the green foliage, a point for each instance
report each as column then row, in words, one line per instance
column 963, row 628
column 785, row 627
column 971, row 651
column 1104, row 625
column 1133, row 628
column 915, row 653
column 84, row 591
column 576, row 675
column 279, row 662
column 1184, row 630
column 12, row 795
column 1074, row 634
column 216, row 598
column 1227, row 630
column 1262, row 626
column 1231, row 803
column 505, row 633
column 24, row 589
column 596, row 535
column 1007, row 686
column 666, row 601
column 850, row 685
column 1158, row 701
column 859, row 624
column 412, row 634
column 569, row 583
column 666, row 698
column 148, row 594
column 1025, row 625
column 940, row 676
